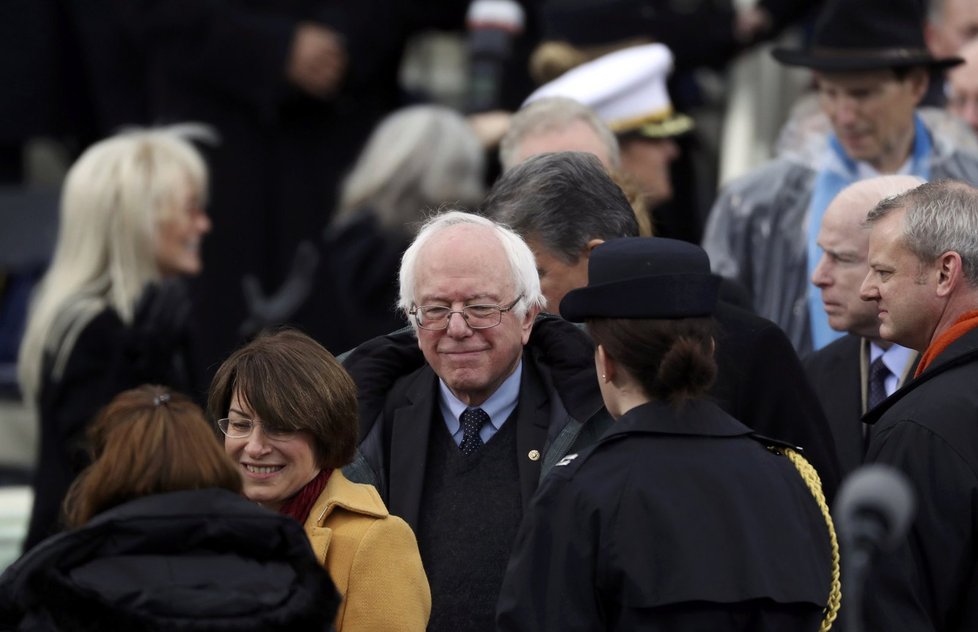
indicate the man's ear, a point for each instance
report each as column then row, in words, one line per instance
column 591, row 245
column 950, row 272
column 919, row 80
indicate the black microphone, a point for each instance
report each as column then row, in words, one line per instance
column 492, row 25
column 872, row 512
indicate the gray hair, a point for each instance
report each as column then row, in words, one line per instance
column 114, row 198
column 522, row 265
column 940, row 217
column 417, row 159
column 563, row 200
column 553, row 114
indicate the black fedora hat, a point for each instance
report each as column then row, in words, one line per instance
column 644, row 277
column 854, row 35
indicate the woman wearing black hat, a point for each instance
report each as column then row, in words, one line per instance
column 679, row 518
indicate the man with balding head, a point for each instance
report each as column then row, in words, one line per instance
column 856, row 372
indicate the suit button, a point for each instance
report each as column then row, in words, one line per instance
column 534, row 455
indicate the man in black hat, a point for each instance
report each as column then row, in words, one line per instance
column 871, row 66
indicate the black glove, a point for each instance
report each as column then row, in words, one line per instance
column 268, row 311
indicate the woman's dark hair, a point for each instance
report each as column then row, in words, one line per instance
column 292, row 382
column 148, row 440
column 672, row 360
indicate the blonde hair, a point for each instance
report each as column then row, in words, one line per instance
column 113, row 199
column 552, row 58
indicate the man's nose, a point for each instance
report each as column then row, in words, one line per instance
column 820, row 277
column 867, row 291
column 458, row 326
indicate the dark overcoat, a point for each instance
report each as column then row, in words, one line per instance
column 674, row 520
column 929, row 430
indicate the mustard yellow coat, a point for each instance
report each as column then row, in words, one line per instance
column 372, row 557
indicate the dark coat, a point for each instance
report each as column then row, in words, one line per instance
column 191, row 560
column 674, row 520
column 839, row 379
column 929, row 430
column 559, row 410
column 357, row 280
column 760, row 381
column 108, row 357
column 835, row 375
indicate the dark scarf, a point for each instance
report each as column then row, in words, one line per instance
column 299, row 506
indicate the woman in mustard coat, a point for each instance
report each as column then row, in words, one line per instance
column 288, row 412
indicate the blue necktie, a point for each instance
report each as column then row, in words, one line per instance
column 877, row 383
column 472, row 421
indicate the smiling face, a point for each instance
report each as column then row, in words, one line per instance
column 903, row 288
column 272, row 471
column 179, row 236
column 872, row 113
column 467, row 265
column 842, row 268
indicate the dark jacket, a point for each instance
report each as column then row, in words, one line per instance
column 929, row 429
column 190, row 560
column 839, row 377
column 107, row 358
column 674, row 520
column 834, row 374
column 559, row 410
column 360, row 261
column 760, row 382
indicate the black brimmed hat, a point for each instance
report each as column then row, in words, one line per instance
column 644, row 277
column 855, row 35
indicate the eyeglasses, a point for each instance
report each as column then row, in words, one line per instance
column 242, row 429
column 437, row 317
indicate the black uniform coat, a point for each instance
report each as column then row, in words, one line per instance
column 674, row 520
column 189, row 560
column 929, row 429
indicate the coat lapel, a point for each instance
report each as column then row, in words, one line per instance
column 532, row 421
column 410, row 430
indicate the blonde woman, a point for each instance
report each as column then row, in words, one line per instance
column 109, row 314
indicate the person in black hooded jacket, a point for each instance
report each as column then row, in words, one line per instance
column 162, row 539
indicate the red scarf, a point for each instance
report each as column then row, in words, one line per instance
column 967, row 322
column 301, row 504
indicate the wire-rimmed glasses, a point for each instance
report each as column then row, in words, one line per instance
column 242, row 428
column 437, row 317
